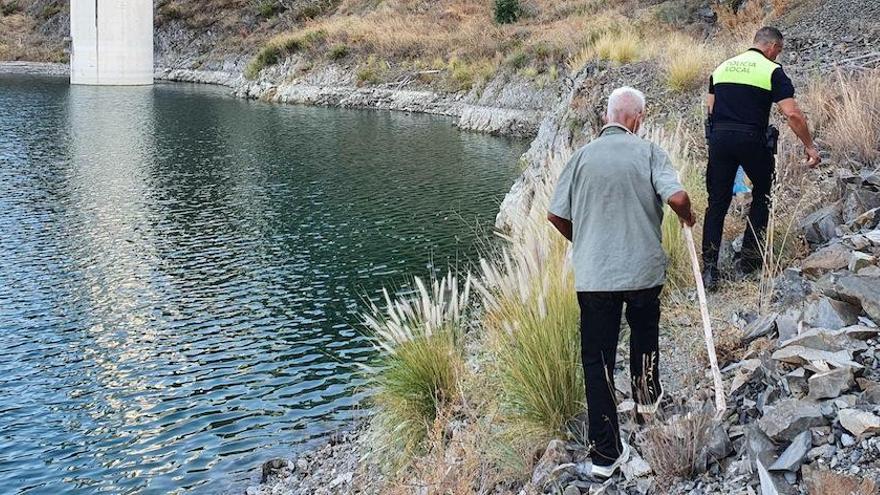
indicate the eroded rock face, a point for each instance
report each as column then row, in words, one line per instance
column 787, row 418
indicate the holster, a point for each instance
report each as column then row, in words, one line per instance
column 707, row 125
column 772, row 135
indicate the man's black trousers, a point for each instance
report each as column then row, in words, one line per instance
column 727, row 151
column 600, row 330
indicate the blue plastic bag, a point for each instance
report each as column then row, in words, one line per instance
column 739, row 184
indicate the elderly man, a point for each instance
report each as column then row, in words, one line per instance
column 609, row 203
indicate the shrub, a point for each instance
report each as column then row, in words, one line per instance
column 268, row 55
column 50, row 11
column 531, row 319
column 268, row 8
column 517, row 59
column 372, row 71
column 507, row 11
column 337, row 51
column 418, row 371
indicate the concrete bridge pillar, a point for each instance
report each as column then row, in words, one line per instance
column 111, row 42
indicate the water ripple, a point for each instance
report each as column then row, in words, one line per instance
column 180, row 272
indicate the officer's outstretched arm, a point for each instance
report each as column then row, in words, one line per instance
column 798, row 123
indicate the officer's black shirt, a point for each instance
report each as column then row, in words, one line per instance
column 749, row 105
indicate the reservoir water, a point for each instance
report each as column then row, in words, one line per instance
column 180, row 273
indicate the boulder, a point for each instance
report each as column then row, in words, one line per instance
column 772, row 484
column 828, row 313
column 800, row 355
column 860, row 423
column 819, row 226
column 861, row 290
column 828, row 259
column 874, row 237
column 571, row 490
column 793, row 456
column 790, row 287
column 826, row 451
column 783, row 420
column 719, row 445
column 870, row 391
column 758, row 444
column 867, row 220
column 275, row 467
column 821, row 339
column 555, row 455
column 830, row 384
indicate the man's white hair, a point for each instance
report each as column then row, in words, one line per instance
column 625, row 101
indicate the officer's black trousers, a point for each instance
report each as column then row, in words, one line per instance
column 727, row 151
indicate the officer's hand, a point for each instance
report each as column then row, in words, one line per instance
column 813, row 158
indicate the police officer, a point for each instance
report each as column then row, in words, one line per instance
column 742, row 91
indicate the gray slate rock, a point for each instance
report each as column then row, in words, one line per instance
column 819, row 226
column 762, row 326
column 860, row 423
column 831, row 314
column 861, row 290
column 830, row 384
column 793, row 456
column 828, row 259
column 787, row 418
column 555, row 455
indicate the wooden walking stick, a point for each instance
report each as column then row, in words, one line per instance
column 720, row 402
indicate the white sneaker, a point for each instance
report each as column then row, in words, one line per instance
column 607, row 471
column 650, row 408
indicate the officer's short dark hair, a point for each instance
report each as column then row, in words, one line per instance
column 768, row 35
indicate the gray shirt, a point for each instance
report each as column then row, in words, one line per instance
column 613, row 191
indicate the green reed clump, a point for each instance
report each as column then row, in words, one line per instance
column 531, row 315
column 419, row 366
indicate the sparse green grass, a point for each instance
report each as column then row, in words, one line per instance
column 10, row 7
column 338, row 51
column 282, row 46
column 372, row 71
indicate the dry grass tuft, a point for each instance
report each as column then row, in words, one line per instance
column 674, row 447
column 621, row 47
column 688, row 62
column 454, row 464
column 853, row 123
